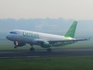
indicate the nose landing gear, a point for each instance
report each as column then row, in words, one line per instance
column 15, row 47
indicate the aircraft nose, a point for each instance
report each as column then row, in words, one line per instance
column 8, row 36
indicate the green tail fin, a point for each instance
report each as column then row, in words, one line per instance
column 71, row 31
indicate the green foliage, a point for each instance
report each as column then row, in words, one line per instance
column 48, row 63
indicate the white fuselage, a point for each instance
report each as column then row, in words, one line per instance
column 30, row 36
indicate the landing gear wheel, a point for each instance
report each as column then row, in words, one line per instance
column 15, row 47
column 49, row 50
column 32, row 49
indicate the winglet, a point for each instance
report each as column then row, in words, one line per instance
column 71, row 31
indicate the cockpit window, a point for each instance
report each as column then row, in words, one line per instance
column 13, row 32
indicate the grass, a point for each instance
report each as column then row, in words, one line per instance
column 48, row 63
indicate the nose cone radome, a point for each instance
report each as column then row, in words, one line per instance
column 8, row 37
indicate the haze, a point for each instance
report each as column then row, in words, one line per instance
column 67, row 9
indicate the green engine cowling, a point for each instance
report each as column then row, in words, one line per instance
column 45, row 44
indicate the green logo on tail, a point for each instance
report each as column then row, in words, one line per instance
column 71, row 31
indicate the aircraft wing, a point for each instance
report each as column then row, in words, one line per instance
column 74, row 40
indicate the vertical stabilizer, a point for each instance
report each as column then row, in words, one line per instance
column 71, row 31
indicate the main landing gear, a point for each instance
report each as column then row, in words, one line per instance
column 49, row 50
column 32, row 49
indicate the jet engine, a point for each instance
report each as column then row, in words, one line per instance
column 45, row 44
column 19, row 44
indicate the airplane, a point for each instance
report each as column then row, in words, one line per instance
column 45, row 40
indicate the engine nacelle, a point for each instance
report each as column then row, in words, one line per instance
column 45, row 44
column 19, row 44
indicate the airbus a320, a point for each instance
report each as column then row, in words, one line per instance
column 45, row 40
